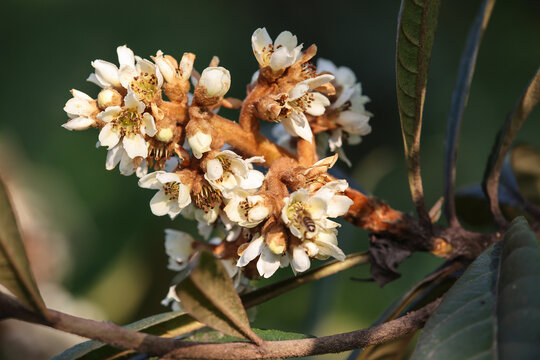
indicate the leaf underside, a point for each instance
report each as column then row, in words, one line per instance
column 416, row 31
column 15, row 273
column 493, row 310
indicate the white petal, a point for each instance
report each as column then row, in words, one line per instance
column 149, row 181
column 315, row 82
column 297, row 124
column 179, row 247
column 125, row 56
column 331, row 250
column 297, row 91
column 126, row 75
column 127, row 165
column 214, row 170
column 253, row 250
column 106, row 73
column 142, row 169
column 132, row 103
column 281, row 58
column 258, row 213
column 80, row 107
column 78, row 123
column 325, row 65
column 345, row 76
column 165, row 177
column 268, row 263
column 80, row 95
column 200, row 143
column 160, row 204
column 109, row 114
column 165, row 67
column 259, row 40
column 334, row 141
column 339, row 205
column 108, row 137
column 149, row 124
column 135, row 145
column 184, row 199
column 300, row 260
column 317, row 106
column 93, row 79
column 232, row 210
column 345, row 96
column 286, row 39
column 253, row 180
column 113, row 157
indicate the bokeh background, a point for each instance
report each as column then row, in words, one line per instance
column 94, row 243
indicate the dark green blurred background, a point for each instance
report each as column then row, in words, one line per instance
column 116, row 243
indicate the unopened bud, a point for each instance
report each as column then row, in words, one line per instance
column 109, row 97
column 200, row 143
column 166, row 67
column 165, row 135
column 276, row 239
column 216, row 80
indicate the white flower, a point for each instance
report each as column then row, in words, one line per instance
column 299, row 101
column 278, row 55
column 80, row 109
column 129, row 124
column 268, row 261
column 172, row 197
column 246, row 210
column 216, row 80
column 228, row 171
column 306, row 214
column 127, row 165
column 179, row 248
column 138, row 75
column 200, row 143
column 349, row 108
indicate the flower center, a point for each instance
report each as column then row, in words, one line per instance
column 127, row 123
column 144, row 86
column 302, row 103
column 245, row 207
column 300, row 217
column 172, row 189
column 208, row 198
column 266, row 53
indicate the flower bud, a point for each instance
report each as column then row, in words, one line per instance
column 165, row 135
column 200, row 143
column 216, row 80
column 166, row 67
column 109, row 97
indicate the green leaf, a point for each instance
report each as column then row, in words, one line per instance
column 15, row 273
column 459, row 102
column 417, row 22
column 505, row 137
column 173, row 324
column 493, row 310
column 208, row 294
column 423, row 293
